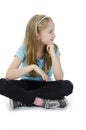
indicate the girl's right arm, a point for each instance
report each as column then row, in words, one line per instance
column 15, row 72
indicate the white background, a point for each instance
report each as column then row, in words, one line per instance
column 69, row 17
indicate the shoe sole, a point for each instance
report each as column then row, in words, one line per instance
column 11, row 103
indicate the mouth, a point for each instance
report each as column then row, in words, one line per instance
column 52, row 40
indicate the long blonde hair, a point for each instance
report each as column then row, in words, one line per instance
column 36, row 24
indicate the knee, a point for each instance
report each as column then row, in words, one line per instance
column 69, row 86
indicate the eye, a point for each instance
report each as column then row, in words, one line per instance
column 51, row 31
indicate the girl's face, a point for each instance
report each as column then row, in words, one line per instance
column 47, row 35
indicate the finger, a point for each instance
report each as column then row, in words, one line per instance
column 46, row 78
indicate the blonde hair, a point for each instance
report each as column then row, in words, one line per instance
column 36, row 24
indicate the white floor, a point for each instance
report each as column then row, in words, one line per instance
column 72, row 117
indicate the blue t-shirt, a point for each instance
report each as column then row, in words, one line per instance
column 21, row 54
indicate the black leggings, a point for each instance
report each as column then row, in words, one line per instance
column 26, row 91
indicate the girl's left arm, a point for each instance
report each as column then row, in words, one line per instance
column 57, row 69
column 56, row 65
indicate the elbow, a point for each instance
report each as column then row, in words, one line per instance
column 8, row 77
column 59, row 77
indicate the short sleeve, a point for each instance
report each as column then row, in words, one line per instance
column 21, row 52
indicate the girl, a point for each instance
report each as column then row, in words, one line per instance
column 40, row 58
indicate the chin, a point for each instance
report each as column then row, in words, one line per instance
column 51, row 43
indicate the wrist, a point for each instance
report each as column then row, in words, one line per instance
column 33, row 67
column 52, row 55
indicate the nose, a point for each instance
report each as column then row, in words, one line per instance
column 54, row 35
